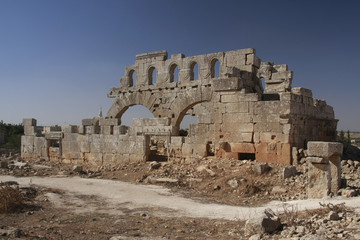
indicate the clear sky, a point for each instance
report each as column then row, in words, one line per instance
column 58, row 59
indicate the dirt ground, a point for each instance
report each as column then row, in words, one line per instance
column 61, row 223
column 51, row 213
column 226, row 181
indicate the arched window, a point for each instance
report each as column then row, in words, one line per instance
column 132, row 78
column 194, row 71
column 262, row 80
column 152, row 75
column 174, row 73
column 215, row 68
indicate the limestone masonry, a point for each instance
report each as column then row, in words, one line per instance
column 237, row 117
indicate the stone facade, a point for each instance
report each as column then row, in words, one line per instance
column 237, row 116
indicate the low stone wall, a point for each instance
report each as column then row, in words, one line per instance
column 98, row 141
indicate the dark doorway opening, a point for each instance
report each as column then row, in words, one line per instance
column 210, row 149
column 158, row 149
column 247, row 156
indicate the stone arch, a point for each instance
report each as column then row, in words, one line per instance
column 130, row 112
column 132, row 80
column 120, row 105
column 194, row 67
column 172, row 72
column 186, row 101
column 213, row 68
column 151, row 79
column 182, row 114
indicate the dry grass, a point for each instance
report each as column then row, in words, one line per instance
column 292, row 217
column 11, row 199
column 336, row 208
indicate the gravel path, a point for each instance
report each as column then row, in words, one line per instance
column 159, row 200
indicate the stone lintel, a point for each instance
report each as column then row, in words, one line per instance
column 324, row 149
column 53, row 136
column 226, row 84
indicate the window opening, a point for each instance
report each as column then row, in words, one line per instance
column 152, row 76
column 174, row 73
column 270, row 97
column 132, row 76
column 215, row 68
column 194, row 74
column 263, row 83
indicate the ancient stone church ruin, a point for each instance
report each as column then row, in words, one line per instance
column 238, row 117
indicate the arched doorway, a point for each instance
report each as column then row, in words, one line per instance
column 186, row 122
column 134, row 111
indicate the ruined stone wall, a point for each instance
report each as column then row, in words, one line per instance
column 167, row 98
column 237, row 117
column 97, row 141
column 251, row 123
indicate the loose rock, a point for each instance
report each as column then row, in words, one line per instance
column 77, row 168
column 267, row 223
column 290, row 171
column 260, row 168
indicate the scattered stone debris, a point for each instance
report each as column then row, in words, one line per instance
column 260, row 168
column 290, row 171
column 3, row 164
column 154, row 165
column 10, row 232
column 77, row 169
column 233, row 183
column 166, row 180
column 227, row 181
column 267, row 223
column 19, row 165
column 334, row 216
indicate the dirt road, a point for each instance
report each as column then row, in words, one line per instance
column 112, row 196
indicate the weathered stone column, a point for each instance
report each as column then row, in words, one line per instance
column 319, row 178
column 324, row 168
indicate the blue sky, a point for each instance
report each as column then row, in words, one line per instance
column 58, row 59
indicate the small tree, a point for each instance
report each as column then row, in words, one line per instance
column 12, row 134
column 342, row 136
